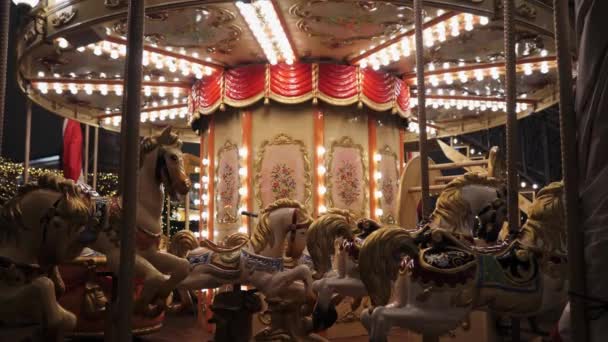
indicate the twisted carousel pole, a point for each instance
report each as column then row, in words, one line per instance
column 420, row 86
column 422, row 143
column 5, row 13
column 130, row 145
column 568, row 124
column 512, row 136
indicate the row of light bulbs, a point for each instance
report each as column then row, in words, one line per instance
column 377, row 177
column 472, row 105
column 480, row 74
column 104, row 89
column 432, row 34
column 174, row 64
column 152, row 116
column 414, row 127
column 264, row 22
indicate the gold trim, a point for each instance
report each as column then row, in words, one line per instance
column 347, row 142
column 388, row 218
column 282, row 139
column 338, row 101
column 379, row 107
column 289, row 99
column 233, row 216
column 243, row 103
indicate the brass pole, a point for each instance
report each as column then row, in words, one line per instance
column 130, row 145
column 512, row 136
column 86, row 154
column 568, row 124
column 95, row 156
column 187, row 211
column 28, row 140
column 5, row 13
column 511, row 94
column 424, row 158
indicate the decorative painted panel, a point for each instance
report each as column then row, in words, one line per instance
column 388, row 185
column 228, row 183
column 282, row 170
column 346, row 177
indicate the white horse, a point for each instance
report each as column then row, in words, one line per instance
column 257, row 261
column 441, row 278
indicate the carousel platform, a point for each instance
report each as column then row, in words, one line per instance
column 185, row 328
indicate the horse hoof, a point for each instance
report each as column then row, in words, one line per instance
column 323, row 320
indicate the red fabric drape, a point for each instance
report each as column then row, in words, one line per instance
column 334, row 83
column 72, row 150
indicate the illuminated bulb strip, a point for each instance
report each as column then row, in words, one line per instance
column 264, row 23
column 494, row 70
column 174, row 62
column 151, row 114
column 413, row 127
column 473, row 104
column 377, row 178
column 244, row 196
column 115, row 88
column 405, row 46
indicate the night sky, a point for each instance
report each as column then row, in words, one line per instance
column 46, row 126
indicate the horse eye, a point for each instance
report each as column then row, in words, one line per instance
column 174, row 157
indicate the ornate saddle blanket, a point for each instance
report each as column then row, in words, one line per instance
column 442, row 266
column 352, row 247
column 223, row 262
column 508, row 272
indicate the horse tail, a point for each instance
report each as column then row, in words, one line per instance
column 236, row 240
column 321, row 236
column 182, row 242
column 379, row 260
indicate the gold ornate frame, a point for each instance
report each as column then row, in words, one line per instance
column 346, row 142
column 387, row 151
column 282, row 139
column 228, row 146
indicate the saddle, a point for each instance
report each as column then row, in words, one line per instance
column 221, row 261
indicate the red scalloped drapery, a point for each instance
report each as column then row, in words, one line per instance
column 297, row 83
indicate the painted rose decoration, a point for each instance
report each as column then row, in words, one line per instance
column 283, row 181
column 347, row 183
column 388, row 193
column 228, row 190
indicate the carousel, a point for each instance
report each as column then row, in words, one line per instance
column 308, row 212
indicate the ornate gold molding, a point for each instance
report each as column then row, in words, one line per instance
column 388, row 218
column 282, row 139
column 232, row 216
column 347, row 142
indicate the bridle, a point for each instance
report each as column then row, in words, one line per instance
column 46, row 219
column 294, row 226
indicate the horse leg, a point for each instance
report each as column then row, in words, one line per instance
column 278, row 281
column 379, row 325
column 177, row 268
column 56, row 320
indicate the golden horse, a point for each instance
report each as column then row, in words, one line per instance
column 41, row 227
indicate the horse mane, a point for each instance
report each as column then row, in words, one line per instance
column 149, row 144
column 76, row 207
column 321, row 236
column 546, row 220
column 450, row 206
column 380, row 258
column 262, row 233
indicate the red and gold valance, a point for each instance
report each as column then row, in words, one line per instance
column 335, row 84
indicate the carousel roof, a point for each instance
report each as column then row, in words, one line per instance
column 72, row 54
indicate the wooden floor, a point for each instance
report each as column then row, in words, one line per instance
column 187, row 329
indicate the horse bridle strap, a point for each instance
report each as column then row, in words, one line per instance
column 46, row 219
column 294, row 226
column 161, row 166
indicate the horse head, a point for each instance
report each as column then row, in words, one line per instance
column 168, row 162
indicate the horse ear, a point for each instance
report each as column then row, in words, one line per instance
column 166, row 134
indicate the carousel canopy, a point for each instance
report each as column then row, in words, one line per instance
column 204, row 55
